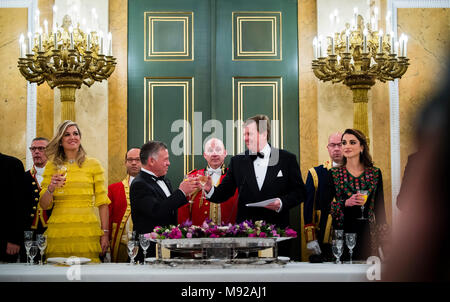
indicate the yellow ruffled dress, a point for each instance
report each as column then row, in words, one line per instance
column 73, row 227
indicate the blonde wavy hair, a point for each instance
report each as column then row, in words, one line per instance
column 55, row 151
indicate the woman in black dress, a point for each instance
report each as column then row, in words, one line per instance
column 358, row 173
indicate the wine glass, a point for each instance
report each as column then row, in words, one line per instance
column 42, row 244
column 33, row 251
column 339, row 234
column 203, row 179
column 365, row 194
column 145, row 243
column 62, row 171
column 350, row 240
column 28, row 238
column 186, row 178
column 133, row 248
column 337, row 248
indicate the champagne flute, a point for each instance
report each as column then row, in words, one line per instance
column 186, row 178
column 337, row 248
column 145, row 243
column 42, row 244
column 28, row 237
column 33, row 251
column 203, row 179
column 133, row 248
column 339, row 234
column 62, row 171
column 365, row 194
column 350, row 240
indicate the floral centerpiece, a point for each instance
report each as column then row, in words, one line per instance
column 209, row 229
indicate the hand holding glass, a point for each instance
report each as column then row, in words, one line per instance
column 62, row 171
column 365, row 195
column 189, row 177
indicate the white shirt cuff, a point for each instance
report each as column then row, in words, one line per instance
column 281, row 206
column 211, row 192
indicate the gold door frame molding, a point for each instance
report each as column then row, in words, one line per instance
column 188, row 39
column 188, row 112
column 236, row 36
column 277, row 107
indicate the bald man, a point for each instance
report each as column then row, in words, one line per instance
column 119, row 208
column 201, row 209
column 317, row 221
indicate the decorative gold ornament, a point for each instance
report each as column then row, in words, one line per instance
column 358, row 56
column 66, row 59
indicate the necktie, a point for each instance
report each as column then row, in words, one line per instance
column 255, row 156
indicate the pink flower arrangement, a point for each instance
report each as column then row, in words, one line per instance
column 210, row 230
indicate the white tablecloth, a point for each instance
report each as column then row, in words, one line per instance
column 121, row 272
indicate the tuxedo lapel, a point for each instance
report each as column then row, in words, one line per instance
column 152, row 183
column 272, row 170
column 249, row 170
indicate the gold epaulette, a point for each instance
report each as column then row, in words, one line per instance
column 310, row 232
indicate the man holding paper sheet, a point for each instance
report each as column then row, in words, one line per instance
column 261, row 173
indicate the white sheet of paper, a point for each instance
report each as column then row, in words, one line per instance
column 261, row 203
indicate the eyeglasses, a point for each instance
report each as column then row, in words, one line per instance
column 130, row 160
column 331, row 145
column 32, row 149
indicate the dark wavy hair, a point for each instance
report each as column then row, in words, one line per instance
column 365, row 158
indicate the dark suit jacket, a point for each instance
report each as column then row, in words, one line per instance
column 150, row 207
column 12, row 200
column 241, row 175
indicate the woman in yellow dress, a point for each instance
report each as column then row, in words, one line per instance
column 73, row 184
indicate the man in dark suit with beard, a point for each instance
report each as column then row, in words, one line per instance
column 262, row 173
column 152, row 200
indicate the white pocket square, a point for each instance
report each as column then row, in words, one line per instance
column 280, row 174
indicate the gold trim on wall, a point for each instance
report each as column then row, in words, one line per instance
column 188, row 113
column 236, row 42
column 188, row 43
column 277, row 108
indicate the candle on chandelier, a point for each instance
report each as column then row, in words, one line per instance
column 71, row 37
column 40, row 39
column 365, row 32
column 320, row 46
column 37, row 18
column 110, row 44
column 332, row 44
column 403, row 41
column 21, row 40
column 347, row 41
column 55, row 37
column 88, row 47
column 30, row 47
column 380, row 42
column 355, row 17
column 392, row 42
column 315, row 48
column 389, row 21
column 396, row 48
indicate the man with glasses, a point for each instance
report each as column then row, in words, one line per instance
column 35, row 217
column 120, row 222
column 316, row 219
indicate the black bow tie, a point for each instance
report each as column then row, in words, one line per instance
column 254, row 156
column 158, row 178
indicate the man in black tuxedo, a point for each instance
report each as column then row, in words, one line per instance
column 152, row 200
column 12, row 223
column 261, row 173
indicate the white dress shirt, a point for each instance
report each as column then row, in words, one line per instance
column 39, row 173
column 215, row 174
column 161, row 183
column 260, row 166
